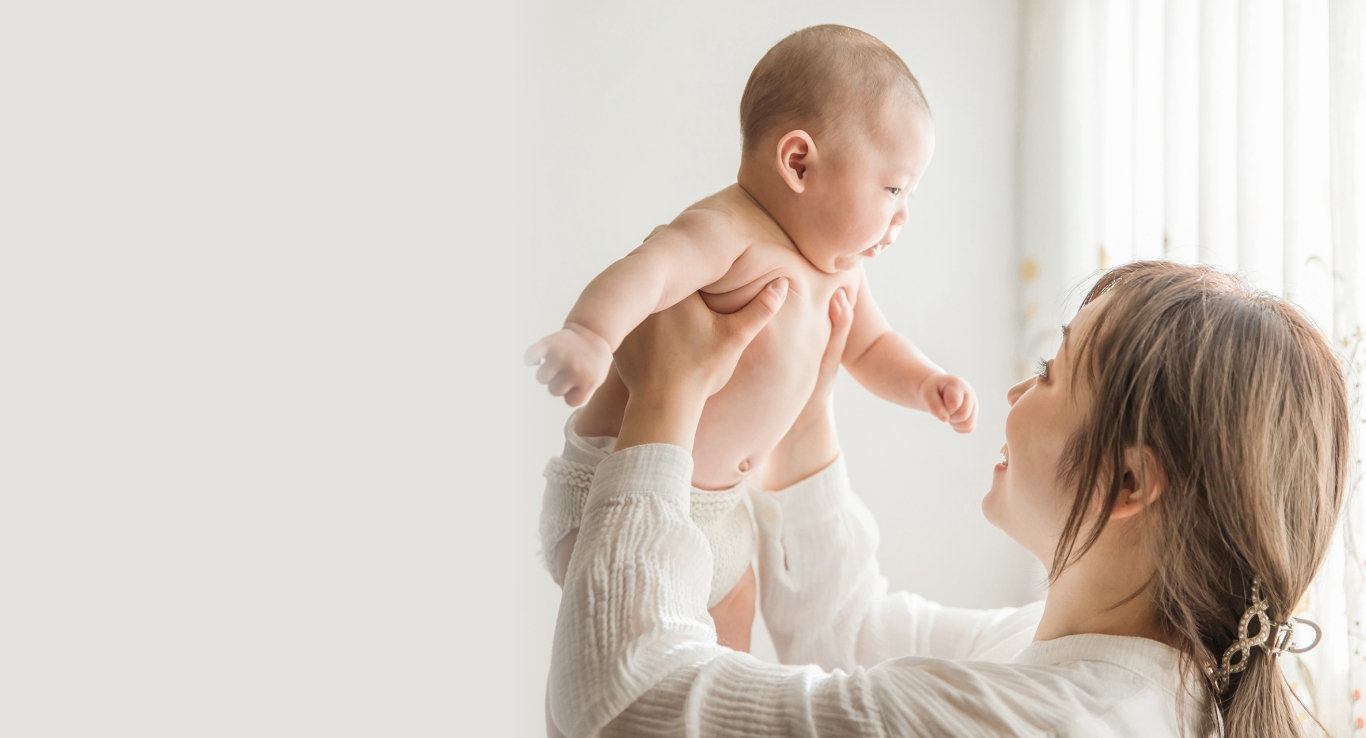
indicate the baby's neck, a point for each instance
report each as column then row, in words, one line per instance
column 757, row 193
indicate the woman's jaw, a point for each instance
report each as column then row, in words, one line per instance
column 1028, row 499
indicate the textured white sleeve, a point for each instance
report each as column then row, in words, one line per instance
column 634, row 605
column 635, row 652
column 736, row 695
column 721, row 515
column 825, row 602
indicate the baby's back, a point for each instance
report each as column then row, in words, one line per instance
column 743, row 422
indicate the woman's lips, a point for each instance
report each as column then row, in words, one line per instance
column 1005, row 459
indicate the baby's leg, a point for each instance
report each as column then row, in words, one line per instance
column 733, row 615
column 721, row 515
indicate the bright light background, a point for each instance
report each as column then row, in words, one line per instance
column 269, row 464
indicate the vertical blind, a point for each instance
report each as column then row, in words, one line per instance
column 1224, row 132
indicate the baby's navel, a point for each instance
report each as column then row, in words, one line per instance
column 744, row 466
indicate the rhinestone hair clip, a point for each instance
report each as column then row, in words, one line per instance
column 1273, row 637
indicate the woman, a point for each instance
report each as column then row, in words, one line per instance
column 1179, row 466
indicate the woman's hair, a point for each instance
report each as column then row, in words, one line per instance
column 1243, row 404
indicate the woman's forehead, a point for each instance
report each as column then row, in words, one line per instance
column 1087, row 314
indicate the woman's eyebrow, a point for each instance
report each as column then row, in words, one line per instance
column 1066, row 331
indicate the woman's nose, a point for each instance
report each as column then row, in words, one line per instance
column 1014, row 393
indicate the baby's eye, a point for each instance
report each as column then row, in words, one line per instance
column 894, row 190
column 1042, row 369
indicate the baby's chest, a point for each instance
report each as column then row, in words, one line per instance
column 762, row 263
column 805, row 316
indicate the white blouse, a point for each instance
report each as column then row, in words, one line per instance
column 635, row 651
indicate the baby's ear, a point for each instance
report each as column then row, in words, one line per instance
column 796, row 151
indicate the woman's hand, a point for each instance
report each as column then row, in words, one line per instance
column 811, row 444
column 677, row 358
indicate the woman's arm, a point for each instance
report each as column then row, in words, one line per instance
column 634, row 602
column 824, row 598
column 635, row 652
column 826, row 602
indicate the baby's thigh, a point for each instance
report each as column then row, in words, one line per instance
column 734, row 614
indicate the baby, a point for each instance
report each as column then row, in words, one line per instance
column 836, row 135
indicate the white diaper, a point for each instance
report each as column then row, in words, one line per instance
column 722, row 515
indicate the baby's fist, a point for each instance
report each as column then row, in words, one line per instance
column 950, row 399
column 573, row 361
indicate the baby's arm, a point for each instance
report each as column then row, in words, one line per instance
column 892, row 368
column 693, row 251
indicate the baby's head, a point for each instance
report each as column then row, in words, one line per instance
column 836, row 134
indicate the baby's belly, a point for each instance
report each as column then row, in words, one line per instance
column 771, row 384
column 743, row 422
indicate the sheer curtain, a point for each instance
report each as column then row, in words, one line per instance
column 1226, row 132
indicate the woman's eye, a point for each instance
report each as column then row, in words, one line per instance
column 894, row 190
column 1042, row 369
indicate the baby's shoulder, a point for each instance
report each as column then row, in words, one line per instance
column 730, row 210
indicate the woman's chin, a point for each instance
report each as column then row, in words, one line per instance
column 991, row 502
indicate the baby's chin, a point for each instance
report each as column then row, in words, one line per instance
column 845, row 262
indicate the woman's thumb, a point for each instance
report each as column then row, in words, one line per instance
column 750, row 319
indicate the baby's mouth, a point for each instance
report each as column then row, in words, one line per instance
column 875, row 249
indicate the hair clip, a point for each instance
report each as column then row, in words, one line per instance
column 1274, row 640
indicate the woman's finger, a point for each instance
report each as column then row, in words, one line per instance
column 841, row 317
column 746, row 323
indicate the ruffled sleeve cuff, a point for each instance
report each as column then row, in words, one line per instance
column 653, row 468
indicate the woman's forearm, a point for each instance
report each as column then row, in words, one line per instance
column 661, row 416
column 633, row 607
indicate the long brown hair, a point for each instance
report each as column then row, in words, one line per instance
column 1243, row 404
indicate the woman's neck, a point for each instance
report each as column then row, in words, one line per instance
column 1104, row 592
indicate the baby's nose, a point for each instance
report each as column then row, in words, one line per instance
column 900, row 217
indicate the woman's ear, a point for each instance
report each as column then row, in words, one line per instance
column 796, row 154
column 1144, row 482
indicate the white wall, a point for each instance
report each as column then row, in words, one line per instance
column 268, row 459
column 633, row 110
column 252, row 300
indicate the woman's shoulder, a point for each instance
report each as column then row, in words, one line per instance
column 1076, row 686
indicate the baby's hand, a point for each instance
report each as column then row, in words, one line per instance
column 573, row 361
column 950, row 399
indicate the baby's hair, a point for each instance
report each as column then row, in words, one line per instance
column 816, row 76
